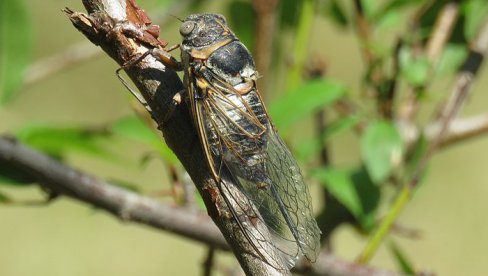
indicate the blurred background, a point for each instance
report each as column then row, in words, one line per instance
column 82, row 114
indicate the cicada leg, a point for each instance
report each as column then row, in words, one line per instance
column 177, row 99
column 138, row 96
column 161, row 55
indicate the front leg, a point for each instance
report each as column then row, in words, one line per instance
column 177, row 99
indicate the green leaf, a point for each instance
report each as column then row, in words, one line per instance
column 305, row 100
column 403, row 262
column 475, row 12
column 382, row 149
column 389, row 20
column 5, row 198
column 335, row 11
column 242, row 20
column 395, row 6
column 15, row 46
column 288, row 13
column 133, row 128
column 163, row 3
column 57, row 141
column 200, row 202
column 415, row 155
column 355, row 190
column 340, row 125
column 309, row 148
column 452, row 58
column 369, row 7
column 427, row 23
column 415, row 70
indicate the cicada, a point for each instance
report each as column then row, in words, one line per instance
column 236, row 134
column 236, row 131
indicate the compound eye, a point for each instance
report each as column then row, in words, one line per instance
column 187, row 27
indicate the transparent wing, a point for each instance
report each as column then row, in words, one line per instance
column 243, row 209
column 290, row 187
column 238, row 134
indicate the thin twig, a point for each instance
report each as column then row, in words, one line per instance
column 443, row 28
column 387, row 97
column 69, row 57
column 302, row 38
column 383, row 88
column 265, row 26
column 364, row 33
column 448, row 112
column 460, row 129
column 208, row 264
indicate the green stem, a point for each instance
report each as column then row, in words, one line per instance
column 385, row 226
column 302, row 39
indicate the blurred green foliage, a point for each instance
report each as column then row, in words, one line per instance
column 15, row 47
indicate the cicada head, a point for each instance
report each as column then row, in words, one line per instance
column 201, row 30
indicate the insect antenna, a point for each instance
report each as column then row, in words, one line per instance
column 174, row 16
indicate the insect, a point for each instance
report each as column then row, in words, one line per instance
column 236, row 133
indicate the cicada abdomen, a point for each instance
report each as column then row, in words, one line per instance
column 237, row 135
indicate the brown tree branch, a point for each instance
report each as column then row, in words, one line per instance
column 125, row 205
column 460, row 129
column 443, row 28
column 132, row 207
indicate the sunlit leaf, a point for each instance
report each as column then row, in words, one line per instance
column 340, row 125
column 389, row 20
column 354, row 190
column 452, row 58
column 369, row 7
column 133, row 128
column 340, row 184
column 305, row 100
column 414, row 70
column 15, row 46
column 4, row 198
column 57, row 141
column 382, row 149
column 309, row 148
column 475, row 12
column 395, row 6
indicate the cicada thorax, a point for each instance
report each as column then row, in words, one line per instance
column 224, row 80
